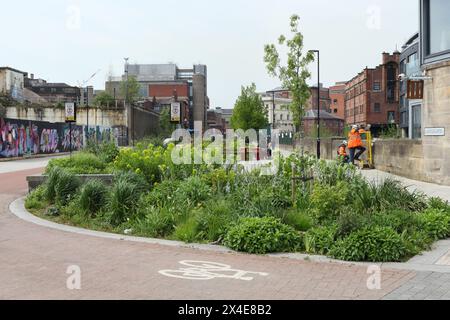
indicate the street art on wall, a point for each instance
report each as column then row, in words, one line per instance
column 23, row 137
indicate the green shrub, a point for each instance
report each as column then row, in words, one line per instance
column 374, row 244
column 435, row 223
column 398, row 219
column 107, row 151
column 214, row 220
column 299, row 220
column 391, row 194
column 328, row 201
column 262, row 235
column 163, row 194
column 79, row 163
column 157, row 223
column 187, row 231
column 93, row 196
column 123, row 201
column 36, row 199
column 50, row 183
column 416, row 242
column 348, row 222
column 66, row 187
column 439, row 204
column 138, row 181
column 192, row 191
column 320, row 240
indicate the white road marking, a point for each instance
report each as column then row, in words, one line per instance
column 205, row 270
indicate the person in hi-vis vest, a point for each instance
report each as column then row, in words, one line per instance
column 355, row 144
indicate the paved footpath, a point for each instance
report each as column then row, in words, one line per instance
column 34, row 261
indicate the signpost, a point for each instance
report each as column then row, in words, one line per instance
column 71, row 117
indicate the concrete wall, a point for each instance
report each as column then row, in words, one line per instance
column 97, row 117
column 436, row 114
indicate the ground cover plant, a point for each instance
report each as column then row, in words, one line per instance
column 338, row 213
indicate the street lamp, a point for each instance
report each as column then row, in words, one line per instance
column 127, row 102
column 318, row 102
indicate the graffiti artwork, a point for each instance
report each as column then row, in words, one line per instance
column 23, row 137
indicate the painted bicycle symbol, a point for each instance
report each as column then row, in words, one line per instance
column 204, row 270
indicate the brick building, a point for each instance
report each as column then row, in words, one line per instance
column 160, row 82
column 337, row 99
column 372, row 97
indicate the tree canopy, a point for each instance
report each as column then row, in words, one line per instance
column 131, row 86
column 294, row 73
column 249, row 111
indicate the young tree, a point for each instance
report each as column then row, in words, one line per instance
column 165, row 125
column 249, row 111
column 104, row 99
column 294, row 73
column 131, row 87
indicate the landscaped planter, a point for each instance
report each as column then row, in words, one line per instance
column 37, row 180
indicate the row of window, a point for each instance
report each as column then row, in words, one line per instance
column 360, row 109
column 358, row 90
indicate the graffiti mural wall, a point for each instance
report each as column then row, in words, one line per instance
column 23, row 137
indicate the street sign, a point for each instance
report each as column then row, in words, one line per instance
column 415, row 89
column 434, row 132
column 71, row 114
column 175, row 112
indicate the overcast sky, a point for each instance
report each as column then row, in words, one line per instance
column 69, row 40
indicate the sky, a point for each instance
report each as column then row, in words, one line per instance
column 70, row 40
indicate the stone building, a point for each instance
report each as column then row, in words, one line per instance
column 435, row 61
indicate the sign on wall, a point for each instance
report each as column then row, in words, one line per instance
column 415, row 89
column 70, row 112
column 434, row 132
column 175, row 112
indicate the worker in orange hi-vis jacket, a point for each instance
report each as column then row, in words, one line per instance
column 342, row 152
column 355, row 144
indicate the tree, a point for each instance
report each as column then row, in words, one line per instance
column 104, row 99
column 249, row 111
column 294, row 73
column 165, row 125
column 132, row 87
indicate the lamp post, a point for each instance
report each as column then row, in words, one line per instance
column 318, row 102
column 127, row 102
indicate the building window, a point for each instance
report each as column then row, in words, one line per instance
column 376, row 86
column 281, row 117
column 376, row 107
column 391, row 83
column 391, row 117
column 438, row 26
column 417, row 122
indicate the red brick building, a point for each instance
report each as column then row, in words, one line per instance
column 372, row 96
column 337, row 99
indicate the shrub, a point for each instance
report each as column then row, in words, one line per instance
column 187, row 231
column 107, row 151
column 123, row 201
column 66, row 187
column 374, row 244
column 36, row 199
column 348, row 222
column 435, row 223
column 163, row 194
column 146, row 162
column 262, row 235
column 398, row 219
column 93, row 197
column 328, row 201
column 439, row 204
column 157, row 223
column 300, row 221
column 214, row 220
column 320, row 240
column 79, row 163
column 391, row 194
column 50, row 184
column 140, row 183
column 192, row 191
